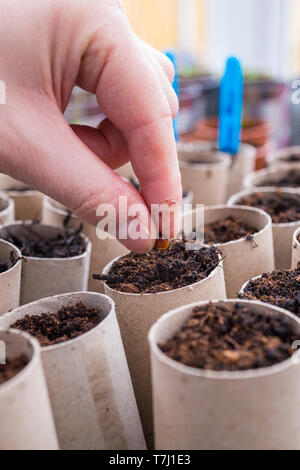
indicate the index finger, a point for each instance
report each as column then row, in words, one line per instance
column 131, row 95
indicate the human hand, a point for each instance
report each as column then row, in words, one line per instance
column 48, row 46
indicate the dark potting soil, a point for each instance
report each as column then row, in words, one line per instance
column 8, row 264
column 282, row 208
column 68, row 323
column 201, row 162
column 291, row 158
column 161, row 270
column 280, row 288
column 226, row 230
column 64, row 245
column 231, row 337
column 292, row 180
column 20, row 190
column 12, row 367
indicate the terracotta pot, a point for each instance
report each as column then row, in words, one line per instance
column 136, row 314
column 296, row 249
column 223, row 410
column 256, row 132
column 88, row 380
column 28, row 202
column 282, row 233
column 42, row 277
column 244, row 258
column 26, row 416
column 10, row 280
column 103, row 251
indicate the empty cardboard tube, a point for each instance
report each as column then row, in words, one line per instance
column 136, row 314
column 223, row 410
column 10, row 280
column 28, row 202
column 208, row 180
column 102, row 252
column 26, row 416
column 259, row 179
column 42, row 277
column 296, row 249
column 282, row 233
column 244, row 258
column 88, row 380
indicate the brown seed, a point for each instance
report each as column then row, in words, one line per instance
column 162, row 244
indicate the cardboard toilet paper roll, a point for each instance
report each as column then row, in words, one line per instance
column 136, row 314
column 242, row 164
column 26, row 416
column 223, row 410
column 208, row 180
column 7, row 209
column 28, row 202
column 103, row 251
column 288, row 155
column 296, row 249
column 260, row 178
column 282, row 233
column 10, row 280
column 88, row 380
column 42, row 277
column 244, row 258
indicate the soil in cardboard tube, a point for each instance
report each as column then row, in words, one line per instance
column 283, row 208
column 227, row 229
column 280, row 288
column 226, row 337
column 12, row 367
column 295, row 157
column 161, row 270
column 6, row 265
column 67, row 323
column 64, row 245
column 291, row 180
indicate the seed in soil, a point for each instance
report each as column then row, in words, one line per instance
column 292, row 180
column 161, row 270
column 280, row 288
column 67, row 323
column 12, row 367
column 66, row 244
column 283, row 208
column 221, row 336
column 226, row 230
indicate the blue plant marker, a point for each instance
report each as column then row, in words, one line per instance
column 172, row 56
column 231, row 107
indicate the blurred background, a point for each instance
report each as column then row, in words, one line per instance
column 263, row 34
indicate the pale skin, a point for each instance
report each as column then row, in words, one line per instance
column 46, row 48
